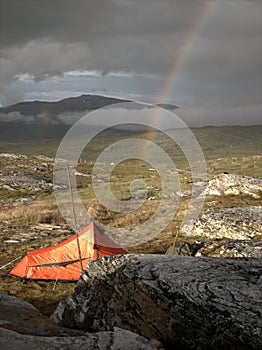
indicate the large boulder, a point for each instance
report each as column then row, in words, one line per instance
column 184, row 302
column 23, row 327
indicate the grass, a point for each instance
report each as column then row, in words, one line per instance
column 41, row 211
column 216, row 142
column 246, row 166
column 45, row 296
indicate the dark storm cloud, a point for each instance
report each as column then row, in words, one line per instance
column 84, row 20
column 141, row 37
column 110, row 35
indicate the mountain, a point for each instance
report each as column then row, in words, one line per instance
column 73, row 104
column 40, row 120
column 167, row 106
column 38, row 127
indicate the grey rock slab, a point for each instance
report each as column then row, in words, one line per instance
column 184, row 302
column 13, row 302
column 117, row 340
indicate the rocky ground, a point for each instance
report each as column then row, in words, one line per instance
column 230, row 223
column 20, row 173
column 23, row 180
column 30, row 233
column 233, row 184
column 226, row 232
column 226, row 184
column 218, row 248
column 219, row 231
column 184, row 302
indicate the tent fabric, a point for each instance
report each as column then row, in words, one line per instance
column 62, row 261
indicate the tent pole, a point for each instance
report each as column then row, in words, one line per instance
column 95, row 242
column 74, row 216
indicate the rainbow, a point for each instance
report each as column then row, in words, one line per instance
column 185, row 50
column 179, row 62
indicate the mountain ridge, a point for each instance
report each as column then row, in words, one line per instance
column 85, row 102
column 71, row 104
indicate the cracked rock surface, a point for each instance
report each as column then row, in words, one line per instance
column 184, row 302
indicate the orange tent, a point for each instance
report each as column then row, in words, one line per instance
column 62, row 261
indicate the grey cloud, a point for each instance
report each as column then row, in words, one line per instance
column 193, row 117
column 70, row 118
column 15, row 117
column 82, row 20
column 42, row 118
column 10, row 95
column 142, row 37
column 111, row 35
column 232, row 115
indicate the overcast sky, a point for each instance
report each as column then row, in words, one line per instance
column 130, row 49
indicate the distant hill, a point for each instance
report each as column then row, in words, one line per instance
column 167, row 106
column 72, row 104
column 41, row 120
column 37, row 127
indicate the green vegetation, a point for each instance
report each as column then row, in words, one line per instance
column 216, row 142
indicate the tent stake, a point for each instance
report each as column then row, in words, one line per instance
column 74, row 216
column 56, row 280
column 55, row 284
column 175, row 239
